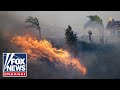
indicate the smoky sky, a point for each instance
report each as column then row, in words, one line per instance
column 62, row 18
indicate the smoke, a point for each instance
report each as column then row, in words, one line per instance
column 97, row 30
column 102, row 61
column 47, row 70
column 93, row 24
column 11, row 25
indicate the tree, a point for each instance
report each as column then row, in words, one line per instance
column 34, row 23
column 95, row 18
column 95, row 22
column 71, row 38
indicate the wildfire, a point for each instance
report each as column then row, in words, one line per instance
column 39, row 49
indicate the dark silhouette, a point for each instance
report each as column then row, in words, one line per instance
column 35, row 23
column 71, row 38
column 90, row 34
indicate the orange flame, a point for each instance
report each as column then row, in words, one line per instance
column 38, row 49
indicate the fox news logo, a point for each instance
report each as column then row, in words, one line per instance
column 14, row 65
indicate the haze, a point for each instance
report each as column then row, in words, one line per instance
column 63, row 18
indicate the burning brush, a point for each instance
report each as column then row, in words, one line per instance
column 43, row 49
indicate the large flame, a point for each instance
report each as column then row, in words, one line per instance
column 39, row 49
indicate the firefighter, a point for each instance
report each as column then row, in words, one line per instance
column 89, row 34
